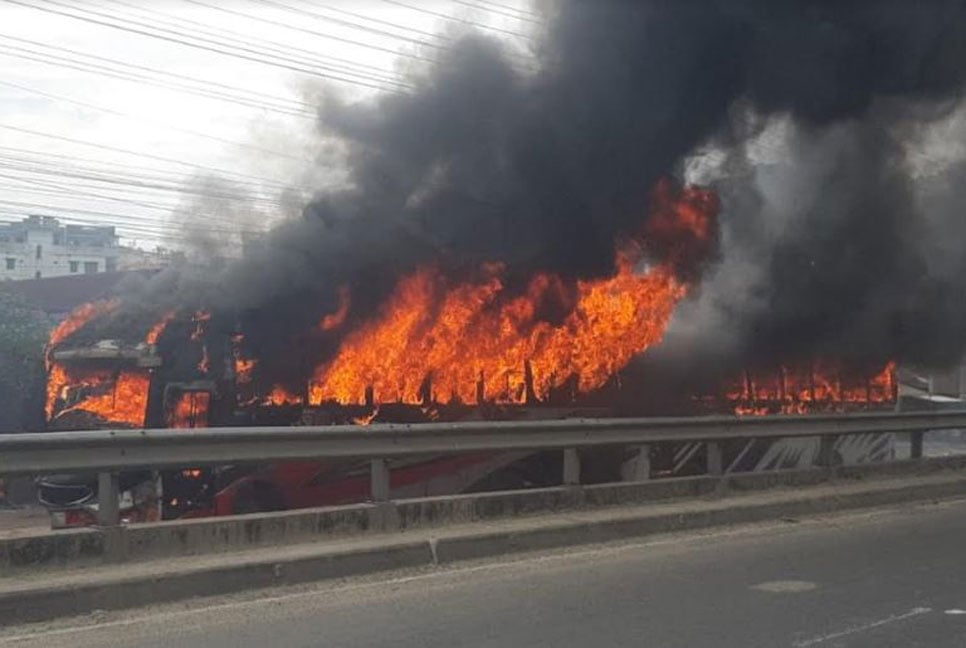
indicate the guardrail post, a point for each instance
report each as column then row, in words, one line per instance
column 915, row 444
column 379, row 484
column 640, row 465
column 571, row 467
column 826, row 451
column 715, row 458
column 108, row 494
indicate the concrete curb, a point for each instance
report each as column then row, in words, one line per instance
column 115, row 591
column 622, row 527
column 152, row 582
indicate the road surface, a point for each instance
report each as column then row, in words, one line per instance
column 876, row 579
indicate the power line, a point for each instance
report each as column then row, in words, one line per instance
column 492, row 9
column 204, row 91
column 312, row 32
column 144, row 188
column 119, row 63
column 525, row 12
column 318, row 16
column 147, row 177
column 464, row 21
column 126, row 115
column 379, row 21
column 56, row 189
column 140, row 154
column 119, row 220
column 206, row 44
column 345, row 23
column 234, row 38
column 159, row 33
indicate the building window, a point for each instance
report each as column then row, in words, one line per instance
column 40, row 250
column 90, row 267
column 74, row 266
column 110, row 264
column 37, row 275
column 11, row 263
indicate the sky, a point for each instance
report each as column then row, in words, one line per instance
column 171, row 116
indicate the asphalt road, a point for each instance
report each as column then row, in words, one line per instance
column 876, row 579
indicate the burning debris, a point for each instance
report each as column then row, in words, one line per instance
column 820, row 386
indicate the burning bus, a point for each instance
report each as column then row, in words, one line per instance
column 479, row 344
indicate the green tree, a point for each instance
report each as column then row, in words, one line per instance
column 23, row 333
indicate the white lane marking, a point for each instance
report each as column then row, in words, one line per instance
column 785, row 586
column 955, row 611
column 862, row 628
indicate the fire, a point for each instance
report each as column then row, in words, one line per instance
column 281, row 396
column 334, row 320
column 57, row 380
column 79, row 318
column 821, row 385
column 116, row 399
column 244, row 367
column 158, row 328
column 367, row 419
column 190, row 410
column 476, row 341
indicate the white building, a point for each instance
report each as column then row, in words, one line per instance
column 39, row 247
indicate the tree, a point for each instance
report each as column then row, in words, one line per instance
column 23, row 334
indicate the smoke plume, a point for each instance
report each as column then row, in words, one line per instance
column 833, row 245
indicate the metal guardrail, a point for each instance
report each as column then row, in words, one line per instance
column 110, row 451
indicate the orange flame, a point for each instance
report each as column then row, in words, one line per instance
column 243, row 369
column 158, row 328
column 116, row 400
column 281, row 396
column 367, row 419
column 334, row 320
column 57, row 380
column 190, row 410
column 474, row 340
column 79, row 318
column 825, row 385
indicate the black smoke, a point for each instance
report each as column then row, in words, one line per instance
column 824, row 250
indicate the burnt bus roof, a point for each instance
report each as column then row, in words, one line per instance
column 140, row 355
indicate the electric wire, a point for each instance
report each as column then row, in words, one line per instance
column 143, row 29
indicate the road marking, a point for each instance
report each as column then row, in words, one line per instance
column 955, row 611
column 785, row 586
column 862, row 628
